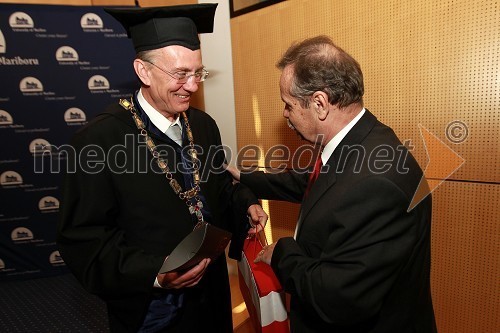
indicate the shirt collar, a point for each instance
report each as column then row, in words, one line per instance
column 161, row 122
column 335, row 141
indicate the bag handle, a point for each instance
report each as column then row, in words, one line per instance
column 258, row 237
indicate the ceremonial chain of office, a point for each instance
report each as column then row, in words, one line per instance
column 186, row 196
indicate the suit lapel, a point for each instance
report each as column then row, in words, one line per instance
column 325, row 180
column 328, row 175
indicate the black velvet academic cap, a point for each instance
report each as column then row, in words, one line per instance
column 156, row 27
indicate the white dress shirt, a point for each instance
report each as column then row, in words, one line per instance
column 159, row 120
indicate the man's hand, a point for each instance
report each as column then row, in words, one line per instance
column 177, row 280
column 257, row 217
column 233, row 171
column 266, row 254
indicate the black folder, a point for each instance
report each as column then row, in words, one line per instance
column 206, row 241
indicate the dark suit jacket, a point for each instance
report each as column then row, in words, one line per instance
column 120, row 219
column 360, row 262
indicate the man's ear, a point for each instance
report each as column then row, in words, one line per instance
column 142, row 72
column 320, row 104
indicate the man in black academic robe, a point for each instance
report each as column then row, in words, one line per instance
column 120, row 218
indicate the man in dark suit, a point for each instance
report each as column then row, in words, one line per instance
column 360, row 259
column 149, row 171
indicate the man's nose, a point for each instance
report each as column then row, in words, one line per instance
column 191, row 85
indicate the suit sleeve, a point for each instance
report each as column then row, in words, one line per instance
column 285, row 186
column 370, row 235
column 89, row 239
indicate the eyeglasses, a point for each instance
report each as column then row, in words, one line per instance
column 183, row 77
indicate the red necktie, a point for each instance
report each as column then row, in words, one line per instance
column 313, row 175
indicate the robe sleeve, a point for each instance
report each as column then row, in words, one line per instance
column 234, row 198
column 88, row 237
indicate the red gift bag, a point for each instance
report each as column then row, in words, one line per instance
column 262, row 292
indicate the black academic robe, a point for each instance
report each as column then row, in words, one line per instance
column 360, row 262
column 120, row 219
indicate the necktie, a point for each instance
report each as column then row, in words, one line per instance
column 313, row 175
column 174, row 133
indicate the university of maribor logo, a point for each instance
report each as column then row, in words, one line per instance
column 21, row 234
column 5, row 118
column 14, row 60
column 4, row 268
column 66, row 53
column 40, row 146
column 30, row 84
column 74, row 115
column 91, row 21
column 10, row 177
column 56, row 259
column 21, row 20
column 48, row 203
column 98, row 82
column 3, row 45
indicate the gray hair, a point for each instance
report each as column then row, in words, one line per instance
column 147, row 55
column 320, row 65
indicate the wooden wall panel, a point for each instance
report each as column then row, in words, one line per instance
column 434, row 64
column 466, row 257
column 428, row 63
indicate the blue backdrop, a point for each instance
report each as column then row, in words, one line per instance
column 59, row 67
